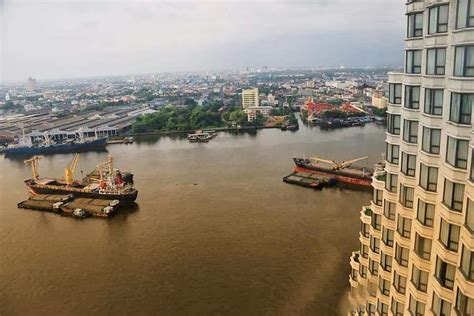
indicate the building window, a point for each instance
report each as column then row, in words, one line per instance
column 376, row 220
column 425, row 214
column 464, row 304
column 470, row 215
column 408, row 164
column 401, row 255
column 416, row 308
column 449, row 235
column 404, row 226
column 465, row 14
column 445, row 273
column 363, row 271
column 382, row 308
column 423, row 247
column 410, row 131
column 464, row 61
column 440, row 306
column 354, row 274
column 461, row 108
column 419, row 278
column 415, row 25
column 393, row 124
column 373, row 267
column 399, row 283
column 389, row 210
column 471, row 174
column 364, row 229
column 406, row 196
column 395, row 93
column 364, row 250
column 378, row 194
column 391, row 181
column 438, row 19
column 374, row 244
column 397, row 308
column 453, row 195
column 467, row 264
column 434, row 101
column 431, row 140
column 387, row 237
column 412, row 97
column 393, row 152
column 435, row 61
column 413, row 62
column 386, row 262
column 384, row 286
column 457, row 152
column 428, row 177
column 371, row 309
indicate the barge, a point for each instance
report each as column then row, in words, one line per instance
column 309, row 180
column 341, row 172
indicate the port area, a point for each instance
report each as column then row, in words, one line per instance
column 69, row 205
column 309, row 180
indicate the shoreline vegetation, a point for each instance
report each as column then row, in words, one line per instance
column 215, row 116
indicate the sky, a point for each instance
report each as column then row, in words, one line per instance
column 48, row 39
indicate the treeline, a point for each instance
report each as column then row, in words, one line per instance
column 191, row 117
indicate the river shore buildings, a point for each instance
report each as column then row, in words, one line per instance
column 250, row 98
column 416, row 253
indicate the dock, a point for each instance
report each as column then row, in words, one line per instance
column 309, row 180
column 70, row 206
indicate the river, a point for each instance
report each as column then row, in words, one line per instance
column 216, row 231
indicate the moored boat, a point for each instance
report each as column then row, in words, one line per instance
column 104, row 182
column 342, row 172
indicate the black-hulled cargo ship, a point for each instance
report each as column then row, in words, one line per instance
column 341, row 172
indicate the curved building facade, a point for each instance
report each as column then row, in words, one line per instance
column 416, row 253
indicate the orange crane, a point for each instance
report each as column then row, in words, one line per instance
column 336, row 165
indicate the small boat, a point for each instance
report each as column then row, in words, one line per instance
column 80, row 213
column 201, row 137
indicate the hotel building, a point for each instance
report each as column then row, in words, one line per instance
column 416, row 253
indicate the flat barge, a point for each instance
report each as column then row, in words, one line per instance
column 309, row 180
column 71, row 206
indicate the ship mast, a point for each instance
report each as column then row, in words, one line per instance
column 34, row 163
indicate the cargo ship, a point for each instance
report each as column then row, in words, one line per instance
column 27, row 147
column 342, row 172
column 104, row 182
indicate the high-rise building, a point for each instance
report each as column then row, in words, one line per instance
column 31, row 84
column 250, row 98
column 416, row 253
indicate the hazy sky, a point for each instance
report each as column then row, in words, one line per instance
column 66, row 38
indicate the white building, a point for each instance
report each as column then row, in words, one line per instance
column 416, row 253
column 253, row 110
column 250, row 98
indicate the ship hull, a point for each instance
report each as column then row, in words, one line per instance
column 57, row 148
column 128, row 197
column 362, row 181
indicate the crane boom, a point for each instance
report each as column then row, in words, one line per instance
column 349, row 162
column 34, row 163
column 70, row 168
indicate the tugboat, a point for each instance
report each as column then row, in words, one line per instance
column 104, row 182
column 342, row 172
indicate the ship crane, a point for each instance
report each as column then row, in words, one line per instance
column 336, row 165
column 69, row 170
column 107, row 164
column 34, row 163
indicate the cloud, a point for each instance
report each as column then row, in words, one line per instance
column 50, row 39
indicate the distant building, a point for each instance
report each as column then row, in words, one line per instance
column 271, row 99
column 31, row 84
column 253, row 110
column 379, row 100
column 310, row 84
column 250, row 98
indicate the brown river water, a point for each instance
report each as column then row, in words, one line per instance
column 216, row 231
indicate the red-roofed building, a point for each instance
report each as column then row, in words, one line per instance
column 315, row 109
column 348, row 108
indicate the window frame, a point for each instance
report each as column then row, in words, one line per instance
column 453, row 205
column 413, row 28
column 410, row 102
column 412, row 55
column 439, row 65
column 426, row 219
column 460, row 163
column 469, row 14
column 464, row 116
column 449, row 238
column 410, row 131
column 430, row 107
column 466, row 70
column 425, row 182
column 437, row 22
column 433, row 148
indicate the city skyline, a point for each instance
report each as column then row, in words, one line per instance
column 102, row 38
